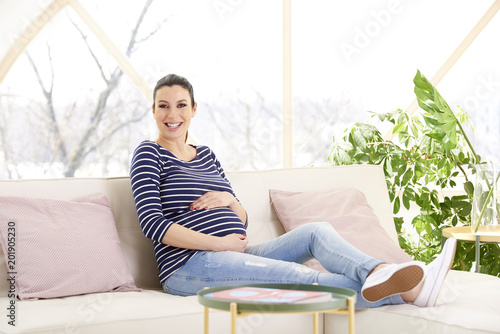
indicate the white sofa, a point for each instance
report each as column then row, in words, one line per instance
column 468, row 303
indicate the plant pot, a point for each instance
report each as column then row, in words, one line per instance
column 484, row 217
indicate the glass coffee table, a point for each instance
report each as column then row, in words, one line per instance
column 342, row 302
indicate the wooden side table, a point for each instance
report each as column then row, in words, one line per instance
column 464, row 233
column 343, row 301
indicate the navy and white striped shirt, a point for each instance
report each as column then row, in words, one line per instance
column 164, row 187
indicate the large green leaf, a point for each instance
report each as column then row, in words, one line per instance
column 443, row 119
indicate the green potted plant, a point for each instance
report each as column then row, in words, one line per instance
column 430, row 152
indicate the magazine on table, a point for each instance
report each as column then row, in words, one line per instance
column 268, row 295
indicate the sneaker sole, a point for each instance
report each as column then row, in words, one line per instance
column 401, row 281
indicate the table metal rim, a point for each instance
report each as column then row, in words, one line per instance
column 339, row 299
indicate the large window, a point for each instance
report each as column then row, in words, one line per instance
column 70, row 106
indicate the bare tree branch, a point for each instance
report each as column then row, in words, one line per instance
column 92, row 53
column 49, row 53
column 45, row 91
column 83, row 148
column 134, row 33
column 50, row 111
column 152, row 33
column 103, row 139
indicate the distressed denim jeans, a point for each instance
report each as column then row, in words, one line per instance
column 281, row 261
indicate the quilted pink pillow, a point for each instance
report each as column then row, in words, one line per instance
column 62, row 248
column 348, row 211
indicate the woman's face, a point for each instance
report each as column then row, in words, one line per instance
column 173, row 112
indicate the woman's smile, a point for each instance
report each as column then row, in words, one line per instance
column 173, row 125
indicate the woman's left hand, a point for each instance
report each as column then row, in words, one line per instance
column 213, row 199
column 218, row 199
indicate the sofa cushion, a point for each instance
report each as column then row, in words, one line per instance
column 148, row 311
column 347, row 210
column 61, row 248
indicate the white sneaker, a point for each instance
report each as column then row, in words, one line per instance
column 436, row 273
column 393, row 279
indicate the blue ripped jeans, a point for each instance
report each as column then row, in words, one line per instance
column 280, row 261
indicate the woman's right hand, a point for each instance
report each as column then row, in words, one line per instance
column 180, row 236
column 232, row 242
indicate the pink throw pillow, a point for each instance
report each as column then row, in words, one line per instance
column 348, row 211
column 57, row 248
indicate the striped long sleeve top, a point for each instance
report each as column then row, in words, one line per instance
column 164, row 187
